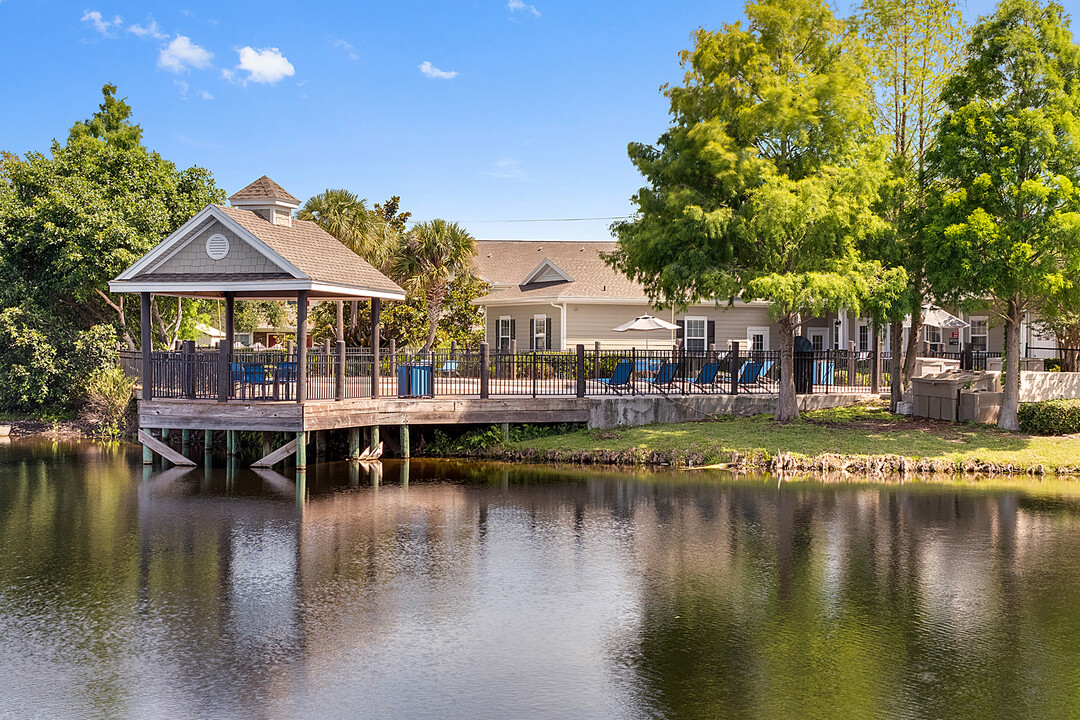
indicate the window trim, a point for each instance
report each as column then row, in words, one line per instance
column 751, row 331
column 499, row 334
column 539, row 338
column 704, row 337
column 985, row 334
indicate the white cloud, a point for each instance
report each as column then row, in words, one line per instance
column 518, row 6
column 182, row 84
column 100, row 24
column 506, row 168
column 151, row 30
column 262, row 66
column 433, row 72
column 182, row 54
column 346, row 48
column 206, row 95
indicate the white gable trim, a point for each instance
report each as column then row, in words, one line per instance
column 178, row 239
column 543, row 268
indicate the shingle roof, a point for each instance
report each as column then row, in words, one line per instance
column 313, row 251
column 263, row 189
column 508, row 262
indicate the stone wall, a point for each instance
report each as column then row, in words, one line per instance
column 611, row 412
column 1036, row 386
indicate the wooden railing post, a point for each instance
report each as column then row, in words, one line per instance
column 147, row 349
column 190, row 369
column 339, row 393
column 733, row 367
column 579, row 371
column 375, row 309
column 851, row 363
column 301, row 353
column 485, row 370
column 875, row 363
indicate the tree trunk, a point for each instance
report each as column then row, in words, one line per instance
column 1010, row 401
column 118, row 306
column 787, row 405
column 435, row 299
column 354, row 307
column 179, row 318
column 912, row 347
column 896, row 372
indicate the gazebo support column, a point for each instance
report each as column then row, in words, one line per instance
column 225, row 345
column 147, row 348
column 301, row 349
column 375, row 309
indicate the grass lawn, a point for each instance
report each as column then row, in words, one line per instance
column 858, row 430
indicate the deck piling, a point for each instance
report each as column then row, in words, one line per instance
column 354, row 443
column 301, row 452
column 405, row 442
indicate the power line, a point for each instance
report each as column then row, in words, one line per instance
column 538, row 220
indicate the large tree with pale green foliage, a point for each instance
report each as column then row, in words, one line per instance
column 1003, row 222
column 912, row 47
column 763, row 183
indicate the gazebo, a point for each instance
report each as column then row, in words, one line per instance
column 253, row 250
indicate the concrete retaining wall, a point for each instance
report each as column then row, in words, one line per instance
column 1036, row 386
column 611, row 412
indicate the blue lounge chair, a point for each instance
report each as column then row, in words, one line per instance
column 665, row 374
column 706, row 377
column 620, row 377
column 824, row 372
column 448, row 368
column 752, row 372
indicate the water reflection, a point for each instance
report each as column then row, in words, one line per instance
column 443, row 590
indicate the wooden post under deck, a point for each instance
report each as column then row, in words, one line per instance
column 405, row 441
column 375, row 308
column 147, row 349
column 301, row 350
column 301, row 450
column 354, row 443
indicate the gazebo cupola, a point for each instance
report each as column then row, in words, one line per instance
column 268, row 200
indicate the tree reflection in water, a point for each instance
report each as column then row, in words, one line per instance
column 489, row 591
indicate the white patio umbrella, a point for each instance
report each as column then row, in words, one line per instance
column 646, row 323
column 939, row 318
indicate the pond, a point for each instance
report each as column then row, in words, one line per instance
column 484, row 591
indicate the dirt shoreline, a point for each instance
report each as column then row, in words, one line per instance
column 779, row 462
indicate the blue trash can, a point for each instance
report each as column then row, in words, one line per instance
column 414, row 380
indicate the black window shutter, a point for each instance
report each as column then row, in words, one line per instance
column 532, row 333
column 682, row 327
column 513, row 331
column 711, row 334
column 547, row 335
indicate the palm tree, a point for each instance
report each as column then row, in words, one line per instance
column 430, row 256
column 341, row 214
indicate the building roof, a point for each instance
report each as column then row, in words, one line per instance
column 317, row 253
column 298, row 256
column 263, row 189
column 507, row 263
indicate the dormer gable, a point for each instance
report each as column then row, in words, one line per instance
column 267, row 199
column 546, row 272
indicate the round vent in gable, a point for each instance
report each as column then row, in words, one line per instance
column 217, row 246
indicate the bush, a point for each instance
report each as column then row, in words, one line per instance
column 29, row 368
column 108, row 394
column 1050, row 417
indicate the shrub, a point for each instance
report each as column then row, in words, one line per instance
column 29, row 368
column 108, row 394
column 1050, row 417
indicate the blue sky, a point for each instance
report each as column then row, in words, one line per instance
column 472, row 111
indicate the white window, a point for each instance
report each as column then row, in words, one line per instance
column 505, row 333
column 757, row 338
column 817, row 338
column 979, row 333
column 932, row 334
column 540, row 332
column 243, row 338
column 864, row 337
column 694, row 334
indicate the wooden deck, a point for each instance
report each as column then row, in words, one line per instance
column 363, row 412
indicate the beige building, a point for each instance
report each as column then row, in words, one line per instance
column 554, row 295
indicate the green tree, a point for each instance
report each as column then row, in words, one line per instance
column 74, row 220
column 431, row 255
column 1003, row 222
column 912, row 48
column 765, row 179
column 371, row 234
